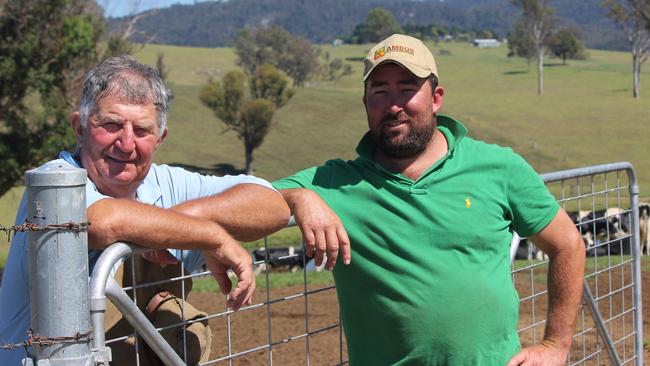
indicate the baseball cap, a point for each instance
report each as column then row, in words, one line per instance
column 404, row 50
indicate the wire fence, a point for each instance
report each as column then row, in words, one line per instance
column 294, row 319
column 603, row 202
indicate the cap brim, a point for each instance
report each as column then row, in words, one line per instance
column 413, row 69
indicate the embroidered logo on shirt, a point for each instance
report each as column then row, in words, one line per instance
column 468, row 202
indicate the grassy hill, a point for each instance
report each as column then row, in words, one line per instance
column 586, row 115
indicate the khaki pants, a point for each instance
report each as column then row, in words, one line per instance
column 163, row 305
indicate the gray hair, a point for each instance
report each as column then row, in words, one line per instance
column 125, row 77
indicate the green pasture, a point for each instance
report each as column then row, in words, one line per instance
column 586, row 115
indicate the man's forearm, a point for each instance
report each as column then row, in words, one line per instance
column 247, row 211
column 150, row 226
column 565, row 280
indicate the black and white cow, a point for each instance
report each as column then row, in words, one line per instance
column 604, row 231
column 290, row 257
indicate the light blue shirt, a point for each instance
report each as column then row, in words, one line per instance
column 164, row 186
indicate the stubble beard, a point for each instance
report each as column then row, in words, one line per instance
column 410, row 146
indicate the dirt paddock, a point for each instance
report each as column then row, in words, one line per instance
column 250, row 329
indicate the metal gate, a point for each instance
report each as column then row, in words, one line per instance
column 299, row 324
column 603, row 202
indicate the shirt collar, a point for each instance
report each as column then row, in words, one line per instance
column 453, row 130
column 70, row 158
column 148, row 191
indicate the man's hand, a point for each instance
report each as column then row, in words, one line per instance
column 232, row 256
column 321, row 228
column 543, row 354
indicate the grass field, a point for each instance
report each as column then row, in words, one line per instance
column 586, row 115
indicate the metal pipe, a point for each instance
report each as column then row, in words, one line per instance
column 583, row 172
column 600, row 324
column 102, row 271
column 636, row 266
column 514, row 245
column 141, row 324
column 58, row 264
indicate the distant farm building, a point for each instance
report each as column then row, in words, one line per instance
column 486, row 43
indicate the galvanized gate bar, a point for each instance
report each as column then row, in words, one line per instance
column 102, row 285
column 58, row 265
column 514, row 245
column 97, row 288
column 142, row 325
column 598, row 319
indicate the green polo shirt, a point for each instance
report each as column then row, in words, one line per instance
column 429, row 282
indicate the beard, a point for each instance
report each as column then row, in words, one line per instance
column 409, row 146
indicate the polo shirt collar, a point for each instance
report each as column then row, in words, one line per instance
column 453, row 130
column 147, row 192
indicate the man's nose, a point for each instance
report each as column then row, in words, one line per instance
column 126, row 141
column 396, row 105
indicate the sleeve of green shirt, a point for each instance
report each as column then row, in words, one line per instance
column 531, row 204
column 314, row 178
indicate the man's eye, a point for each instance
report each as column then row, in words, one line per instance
column 112, row 126
column 142, row 131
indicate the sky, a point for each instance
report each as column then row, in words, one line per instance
column 118, row 8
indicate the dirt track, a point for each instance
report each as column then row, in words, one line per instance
column 249, row 329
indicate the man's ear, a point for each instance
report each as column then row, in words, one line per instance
column 162, row 137
column 75, row 122
column 437, row 98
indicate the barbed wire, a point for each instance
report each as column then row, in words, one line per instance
column 34, row 339
column 30, row 226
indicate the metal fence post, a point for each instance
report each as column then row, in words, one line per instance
column 636, row 255
column 58, row 266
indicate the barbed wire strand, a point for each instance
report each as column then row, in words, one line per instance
column 30, row 226
column 34, row 339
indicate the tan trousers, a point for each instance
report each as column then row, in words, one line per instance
column 163, row 305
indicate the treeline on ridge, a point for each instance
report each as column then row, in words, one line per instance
column 215, row 24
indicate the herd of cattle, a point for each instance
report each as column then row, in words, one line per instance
column 604, row 232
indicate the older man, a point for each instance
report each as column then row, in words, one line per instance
column 429, row 213
column 120, row 124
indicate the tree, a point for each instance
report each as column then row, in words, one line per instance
column 536, row 22
column 379, row 24
column 296, row 56
column 564, row 43
column 119, row 41
column 333, row 69
column 248, row 112
column 519, row 44
column 633, row 17
column 161, row 67
column 45, row 49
